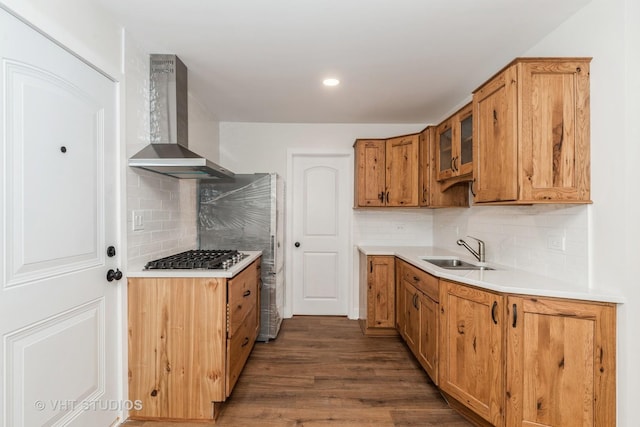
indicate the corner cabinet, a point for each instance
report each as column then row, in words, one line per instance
column 531, row 133
column 189, row 338
column 454, row 145
column 387, row 171
column 377, row 295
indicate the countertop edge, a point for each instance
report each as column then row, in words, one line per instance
column 504, row 279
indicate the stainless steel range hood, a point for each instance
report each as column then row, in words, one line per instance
column 168, row 152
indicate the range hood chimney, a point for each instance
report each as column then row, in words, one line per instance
column 168, row 152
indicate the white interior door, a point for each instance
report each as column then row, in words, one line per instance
column 58, row 198
column 321, row 191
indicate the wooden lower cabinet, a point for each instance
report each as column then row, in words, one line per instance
column 428, row 342
column 189, row 339
column 513, row 360
column 472, row 349
column 419, row 320
column 560, row 363
column 377, row 295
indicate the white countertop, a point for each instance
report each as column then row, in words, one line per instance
column 502, row 279
column 230, row 272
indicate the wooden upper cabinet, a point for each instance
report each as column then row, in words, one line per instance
column 402, row 171
column 370, row 155
column 387, row 171
column 560, row 363
column 454, row 145
column 531, row 133
column 433, row 193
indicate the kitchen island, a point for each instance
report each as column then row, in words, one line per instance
column 190, row 335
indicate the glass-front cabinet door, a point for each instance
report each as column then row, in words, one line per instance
column 464, row 163
column 455, row 145
column 445, row 151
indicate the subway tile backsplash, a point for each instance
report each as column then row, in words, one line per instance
column 393, row 227
column 168, row 206
column 550, row 240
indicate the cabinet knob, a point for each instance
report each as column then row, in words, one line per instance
column 296, row 244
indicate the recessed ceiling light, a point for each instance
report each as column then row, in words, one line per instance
column 331, row 82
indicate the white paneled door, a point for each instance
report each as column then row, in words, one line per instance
column 321, row 191
column 58, row 199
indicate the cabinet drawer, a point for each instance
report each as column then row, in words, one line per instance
column 243, row 291
column 421, row 280
column 239, row 347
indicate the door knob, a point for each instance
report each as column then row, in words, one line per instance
column 296, row 244
column 114, row 275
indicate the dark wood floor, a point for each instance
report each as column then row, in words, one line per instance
column 321, row 371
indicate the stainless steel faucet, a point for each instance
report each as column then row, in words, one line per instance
column 479, row 254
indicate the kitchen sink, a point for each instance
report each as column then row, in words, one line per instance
column 454, row 264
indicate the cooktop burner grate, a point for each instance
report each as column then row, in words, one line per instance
column 199, row 258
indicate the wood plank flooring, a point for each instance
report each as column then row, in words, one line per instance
column 321, row 371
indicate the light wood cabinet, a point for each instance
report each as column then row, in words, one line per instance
column 531, row 133
column 472, row 349
column 560, row 363
column 433, row 193
column 377, row 295
column 402, row 171
column 515, row 360
column 189, row 339
column 454, row 147
column 370, row 169
column 387, row 171
column 419, row 305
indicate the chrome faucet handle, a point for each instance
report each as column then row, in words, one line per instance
column 481, row 252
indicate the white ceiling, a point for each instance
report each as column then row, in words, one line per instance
column 399, row 61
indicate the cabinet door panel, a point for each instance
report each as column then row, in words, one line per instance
column 402, row 171
column 464, row 161
column 411, row 316
column 445, row 151
column 560, row 363
column 495, row 143
column 428, row 345
column 471, row 349
column 381, row 292
column 555, row 130
column 370, row 172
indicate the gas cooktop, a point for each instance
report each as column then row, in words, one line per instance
column 214, row 259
